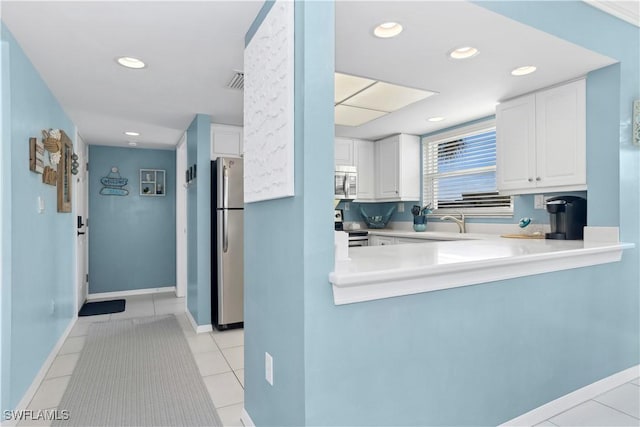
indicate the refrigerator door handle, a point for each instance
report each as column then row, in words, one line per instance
column 225, row 230
column 225, row 212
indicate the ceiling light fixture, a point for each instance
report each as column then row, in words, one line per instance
column 387, row 30
column 435, row 119
column 463, row 52
column 130, row 133
column 523, row 71
column 133, row 144
column 130, row 62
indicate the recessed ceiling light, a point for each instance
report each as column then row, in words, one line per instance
column 387, row 30
column 129, row 133
column 435, row 119
column 464, row 52
column 130, row 62
column 133, row 144
column 523, row 71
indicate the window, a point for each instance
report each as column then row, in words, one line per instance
column 459, row 172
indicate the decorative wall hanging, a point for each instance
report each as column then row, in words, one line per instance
column 36, row 155
column 74, row 165
column 636, row 122
column 64, row 175
column 52, row 140
column 113, row 184
column 50, row 176
column 268, row 107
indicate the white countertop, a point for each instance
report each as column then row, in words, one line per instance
column 376, row 272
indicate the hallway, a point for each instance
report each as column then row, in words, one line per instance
column 218, row 355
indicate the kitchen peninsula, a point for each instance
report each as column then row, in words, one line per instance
column 377, row 272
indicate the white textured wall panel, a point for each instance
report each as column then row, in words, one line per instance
column 268, row 108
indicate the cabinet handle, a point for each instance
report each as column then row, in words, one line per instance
column 530, row 180
column 538, row 179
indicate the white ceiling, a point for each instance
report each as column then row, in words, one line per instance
column 192, row 48
column 467, row 89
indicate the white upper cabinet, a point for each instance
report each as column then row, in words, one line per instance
column 365, row 165
column 226, row 141
column 344, row 152
column 541, row 141
column 398, row 168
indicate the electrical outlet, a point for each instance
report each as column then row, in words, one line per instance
column 538, row 201
column 268, row 368
column 40, row 204
column 400, row 207
column 345, row 206
column 53, row 306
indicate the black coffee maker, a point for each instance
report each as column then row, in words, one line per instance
column 568, row 217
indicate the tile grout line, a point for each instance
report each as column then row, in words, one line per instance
column 616, row 409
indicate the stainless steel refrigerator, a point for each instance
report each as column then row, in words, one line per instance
column 227, row 276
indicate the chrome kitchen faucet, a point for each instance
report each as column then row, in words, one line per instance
column 461, row 224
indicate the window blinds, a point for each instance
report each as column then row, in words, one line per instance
column 460, row 174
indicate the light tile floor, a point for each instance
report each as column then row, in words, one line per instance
column 219, row 356
column 617, row 407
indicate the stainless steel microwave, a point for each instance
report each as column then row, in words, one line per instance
column 346, row 182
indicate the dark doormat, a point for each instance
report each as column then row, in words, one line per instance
column 102, row 307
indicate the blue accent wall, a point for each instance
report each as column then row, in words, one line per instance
column 199, row 220
column 38, row 250
column 289, row 242
column 498, row 349
column 132, row 242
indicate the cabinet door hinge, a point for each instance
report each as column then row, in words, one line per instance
column 87, row 277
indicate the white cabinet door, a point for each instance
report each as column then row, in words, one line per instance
column 516, row 144
column 365, row 164
column 226, row 141
column 381, row 240
column 344, row 152
column 409, row 168
column 398, row 168
column 401, row 240
column 560, row 135
column 387, row 168
column 541, row 141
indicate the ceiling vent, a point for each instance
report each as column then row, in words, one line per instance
column 237, row 81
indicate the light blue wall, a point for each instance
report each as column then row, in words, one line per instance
column 5, row 227
column 497, row 349
column 289, row 242
column 38, row 249
column 199, row 220
column 132, row 242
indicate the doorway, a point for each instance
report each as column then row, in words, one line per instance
column 82, row 226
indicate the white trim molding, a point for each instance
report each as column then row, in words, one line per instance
column 628, row 11
column 199, row 329
column 568, row 401
column 121, row 294
column 246, row 419
column 37, row 381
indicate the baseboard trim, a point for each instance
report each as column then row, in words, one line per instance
column 35, row 384
column 246, row 419
column 199, row 329
column 120, row 294
column 568, row 401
